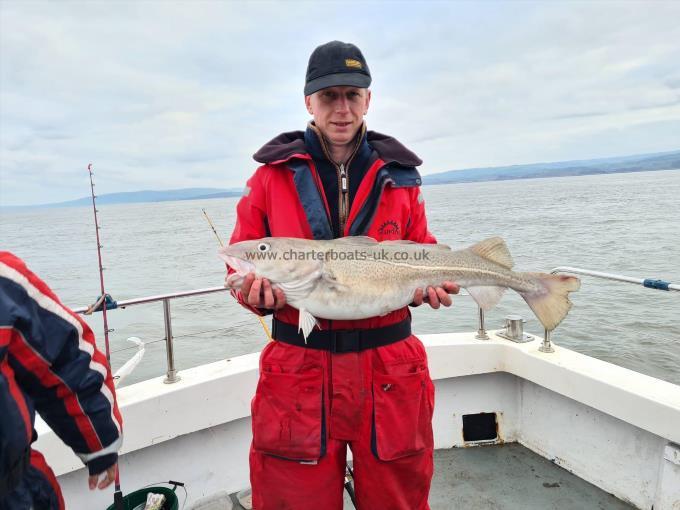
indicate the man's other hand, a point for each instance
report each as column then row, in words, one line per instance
column 260, row 293
column 436, row 296
column 107, row 478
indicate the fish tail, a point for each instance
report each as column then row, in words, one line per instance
column 551, row 302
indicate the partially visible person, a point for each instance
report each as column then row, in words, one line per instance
column 49, row 363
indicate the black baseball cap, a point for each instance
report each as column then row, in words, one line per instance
column 335, row 64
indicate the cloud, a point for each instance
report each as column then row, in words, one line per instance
column 174, row 94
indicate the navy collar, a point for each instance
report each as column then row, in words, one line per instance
column 316, row 146
column 295, row 143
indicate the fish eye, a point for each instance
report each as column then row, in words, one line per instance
column 263, row 247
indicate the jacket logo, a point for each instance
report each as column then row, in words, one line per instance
column 350, row 62
column 389, row 228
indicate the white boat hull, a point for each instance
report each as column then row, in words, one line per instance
column 612, row 427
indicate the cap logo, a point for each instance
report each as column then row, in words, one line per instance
column 350, row 62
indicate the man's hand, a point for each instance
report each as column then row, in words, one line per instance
column 436, row 296
column 258, row 292
column 108, row 477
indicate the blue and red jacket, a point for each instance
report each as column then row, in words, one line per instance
column 49, row 363
column 288, row 197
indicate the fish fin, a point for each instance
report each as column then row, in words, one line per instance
column 551, row 303
column 495, row 250
column 296, row 290
column 428, row 246
column 438, row 246
column 355, row 240
column 306, row 323
column 486, row 296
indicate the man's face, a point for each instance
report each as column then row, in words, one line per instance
column 339, row 112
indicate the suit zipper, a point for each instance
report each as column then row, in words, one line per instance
column 344, row 189
column 343, row 181
column 344, row 198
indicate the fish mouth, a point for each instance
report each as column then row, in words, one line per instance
column 234, row 281
column 242, row 267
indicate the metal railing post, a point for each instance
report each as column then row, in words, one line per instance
column 171, row 375
column 481, row 332
column 546, row 346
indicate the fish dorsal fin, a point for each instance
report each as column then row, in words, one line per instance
column 355, row 240
column 424, row 245
column 495, row 250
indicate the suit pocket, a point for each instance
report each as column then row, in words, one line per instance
column 288, row 415
column 402, row 414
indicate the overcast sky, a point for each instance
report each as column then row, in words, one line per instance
column 160, row 94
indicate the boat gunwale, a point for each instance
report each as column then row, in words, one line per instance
column 643, row 401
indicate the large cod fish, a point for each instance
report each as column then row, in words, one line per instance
column 358, row 277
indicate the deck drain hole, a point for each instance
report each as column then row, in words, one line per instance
column 480, row 427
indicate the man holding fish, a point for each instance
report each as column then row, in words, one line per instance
column 345, row 369
column 337, row 179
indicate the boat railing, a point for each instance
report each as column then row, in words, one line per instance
column 171, row 374
column 649, row 283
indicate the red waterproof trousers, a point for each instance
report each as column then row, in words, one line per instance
column 311, row 404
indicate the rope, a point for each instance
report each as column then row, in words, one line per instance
column 201, row 332
column 94, row 306
column 137, row 347
column 174, row 338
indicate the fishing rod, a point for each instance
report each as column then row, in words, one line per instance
column 219, row 240
column 117, row 494
column 349, row 484
column 102, row 299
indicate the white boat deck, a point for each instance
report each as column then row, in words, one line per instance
column 503, row 477
column 510, row 477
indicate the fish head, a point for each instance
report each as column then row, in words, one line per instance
column 279, row 259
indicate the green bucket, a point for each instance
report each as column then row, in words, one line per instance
column 137, row 498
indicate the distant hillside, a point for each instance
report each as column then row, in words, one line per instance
column 131, row 197
column 637, row 163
